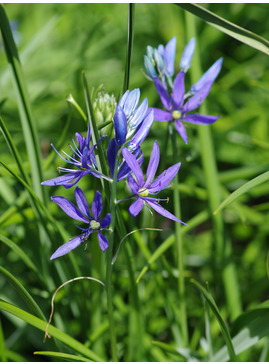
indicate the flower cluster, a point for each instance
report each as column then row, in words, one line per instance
column 132, row 122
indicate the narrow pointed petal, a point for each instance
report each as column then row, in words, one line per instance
column 80, row 140
column 125, row 169
column 82, row 203
column 141, row 134
column 162, row 211
column 161, row 115
column 106, row 221
column 169, row 55
column 136, row 207
column 153, row 163
column 187, row 55
column 139, row 114
column 88, row 138
column 67, row 247
column 111, row 155
column 209, row 76
column 61, row 179
column 195, row 101
column 102, row 241
column 164, row 96
column 161, row 50
column 69, row 208
column 178, row 90
column 200, row 119
column 150, row 70
column 133, row 184
column 131, row 102
column 120, row 126
column 97, row 205
column 133, row 164
column 123, row 99
column 164, row 179
column 181, row 131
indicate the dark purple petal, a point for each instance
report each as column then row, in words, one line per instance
column 169, row 55
column 161, row 115
column 181, row 131
column 209, row 76
column 162, row 211
column 136, row 207
column 69, row 208
column 133, row 184
column 196, row 100
column 88, row 138
column 133, row 164
column 97, row 205
column 111, row 155
column 120, row 125
column 125, row 169
column 153, row 163
column 200, row 119
column 102, row 241
column 81, row 201
column 187, row 55
column 67, row 247
column 164, row 179
column 141, row 134
column 165, row 98
column 80, row 140
column 178, row 90
column 106, row 221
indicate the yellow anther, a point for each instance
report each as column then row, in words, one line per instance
column 143, row 192
column 94, row 225
column 176, row 114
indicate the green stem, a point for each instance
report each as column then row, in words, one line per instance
column 180, row 250
column 129, row 46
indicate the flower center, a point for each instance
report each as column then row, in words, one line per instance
column 176, row 114
column 94, row 225
column 143, row 192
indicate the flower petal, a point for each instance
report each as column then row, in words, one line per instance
column 200, row 119
column 67, row 247
column 111, row 155
column 102, row 241
column 162, row 211
column 150, row 70
column 161, row 115
column 181, row 131
column 169, row 55
column 139, row 114
column 136, row 207
column 120, row 125
column 69, row 208
column 97, row 205
column 125, row 169
column 132, row 184
column 106, row 221
column 164, row 179
column 209, row 76
column 133, row 164
column 61, row 179
column 187, row 55
column 153, row 163
column 131, row 102
column 123, row 99
column 82, row 202
column 142, row 132
column 196, row 100
column 178, row 90
column 165, row 98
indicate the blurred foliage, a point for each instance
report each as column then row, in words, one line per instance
column 57, row 42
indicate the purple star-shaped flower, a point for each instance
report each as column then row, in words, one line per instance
column 177, row 109
column 83, row 159
column 142, row 189
column 82, row 213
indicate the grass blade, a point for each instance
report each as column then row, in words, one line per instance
column 242, row 190
column 53, row 331
column 243, row 35
column 3, row 355
column 65, row 356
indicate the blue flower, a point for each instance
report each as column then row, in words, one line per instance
column 142, row 189
column 82, row 213
column 187, row 55
column 178, row 108
column 83, row 159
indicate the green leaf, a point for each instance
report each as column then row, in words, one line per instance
column 25, row 295
column 223, row 326
column 3, row 355
column 52, row 331
column 249, row 328
column 243, row 35
column 242, row 190
column 184, row 353
column 68, row 357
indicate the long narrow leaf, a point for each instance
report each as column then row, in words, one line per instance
column 224, row 328
column 243, row 35
column 130, row 41
column 52, row 331
column 64, row 356
column 242, row 190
